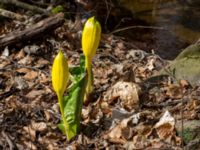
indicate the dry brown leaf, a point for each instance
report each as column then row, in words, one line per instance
column 122, row 131
column 41, row 63
column 39, row 126
column 184, row 83
column 47, row 115
column 178, row 140
column 144, row 130
column 85, row 113
column 165, row 127
column 23, row 70
column 193, row 105
column 34, row 127
column 31, row 75
column 51, row 138
column 174, row 91
column 35, row 93
column 30, row 131
column 156, row 144
column 116, row 132
column 140, row 141
column 4, row 63
column 30, row 145
column 26, row 60
column 21, row 83
column 129, row 146
column 44, row 78
column 20, row 54
column 115, row 135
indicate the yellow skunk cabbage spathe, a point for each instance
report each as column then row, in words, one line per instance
column 60, row 73
column 90, row 41
column 60, row 77
column 91, row 37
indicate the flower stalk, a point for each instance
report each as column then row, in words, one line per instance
column 60, row 77
column 90, row 41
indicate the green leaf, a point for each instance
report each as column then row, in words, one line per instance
column 82, row 63
column 61, row 127
column 76, row 72
column 73, row 106
column 57, row 9
column 74, row 100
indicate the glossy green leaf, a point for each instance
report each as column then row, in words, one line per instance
column 57, row 9
column 74, row 100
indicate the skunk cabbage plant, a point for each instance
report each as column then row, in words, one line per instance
column 70, row 105
column 60, row 77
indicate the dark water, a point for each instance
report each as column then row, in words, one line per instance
column 177, row 24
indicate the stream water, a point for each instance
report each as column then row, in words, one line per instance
column 175, row 24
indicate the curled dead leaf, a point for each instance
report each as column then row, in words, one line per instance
column 115, row 135
column 165, row 127
column 39, row 126
column 122, row 132
column 127, row 92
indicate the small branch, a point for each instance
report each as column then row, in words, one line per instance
column 134, row 27
column 25, row 6
column 11, row 15
column 32, row 32
column 10, row 143
column 165, row 104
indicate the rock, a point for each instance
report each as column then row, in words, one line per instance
column 186, row 65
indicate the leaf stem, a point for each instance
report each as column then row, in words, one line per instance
column 66, row 126
column 88, row 65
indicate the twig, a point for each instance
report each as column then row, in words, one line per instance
column 134, row 27
column 11, row 15
column 25, row 6
column 108, row 12
column 164, row 104
column 10, row 143
column 182, row 127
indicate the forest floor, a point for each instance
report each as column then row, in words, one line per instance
column 128, row 109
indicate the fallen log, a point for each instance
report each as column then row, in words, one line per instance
column 33, row 32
